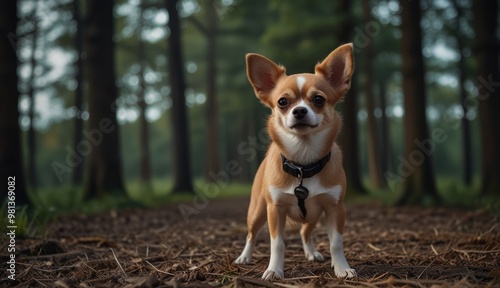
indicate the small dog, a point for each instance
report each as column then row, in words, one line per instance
column 301, row 176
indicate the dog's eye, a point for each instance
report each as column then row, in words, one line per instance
column 318, row 100
column 283, row 103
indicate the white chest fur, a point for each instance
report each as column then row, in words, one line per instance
column 312, row 184
column 304, row 150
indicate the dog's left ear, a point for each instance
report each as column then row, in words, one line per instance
column 338, row 67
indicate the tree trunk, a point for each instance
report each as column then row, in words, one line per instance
column 348, row 138
column 77, row 178
column 486, row 54
column 416, row 166
column 181, row 153
column 10, row 134
column 212, row 111
column 104, row 169
column 374, row 163
column 145, row 164
column 385, row 143
column 31, row 114
column 466, row 150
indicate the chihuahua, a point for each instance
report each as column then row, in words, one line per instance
column 301, row 176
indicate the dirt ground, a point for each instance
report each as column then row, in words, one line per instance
column 389, row 247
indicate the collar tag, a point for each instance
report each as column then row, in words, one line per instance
column 301, row 172
column 301, row 193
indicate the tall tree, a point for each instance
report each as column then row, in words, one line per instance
column 104, row 168
column 239, row 114
column 10, row 135
column 31, row 95
column 145, row 163
column 212, row 111
column 486, row 54
column 209, row 31
column 374, row 156
column 181, row 153
column 77, row 176
column 385, row 143
column 348, row 138
column 418, row 186
column 462, row 77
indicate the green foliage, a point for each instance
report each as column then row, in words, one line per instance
column 68, row 199
column 452, row 191
column 296, row 34
column 455, row 194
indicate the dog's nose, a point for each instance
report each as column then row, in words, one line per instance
column 299, row 112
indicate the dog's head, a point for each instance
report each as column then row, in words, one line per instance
column 302, row 104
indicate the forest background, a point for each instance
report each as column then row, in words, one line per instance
column 150, row 98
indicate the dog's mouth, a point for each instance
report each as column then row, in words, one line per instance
column 302, row 126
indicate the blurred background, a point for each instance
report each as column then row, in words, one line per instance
column 149, row 98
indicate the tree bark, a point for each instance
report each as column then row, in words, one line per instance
column 374, row 163
column 466, row 141
column 212, row 110
column 348, row 138
column 145, row 164
column 488, row 81
column 31, row 96
column 418, row 176
column 104, row 169
column 10, row 134
column 77, row 178
column 181, row 153
column 385, row 143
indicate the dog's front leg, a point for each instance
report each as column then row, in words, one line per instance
column 335, row 218
column 276, row 221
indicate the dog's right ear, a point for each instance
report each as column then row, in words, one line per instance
column 263, row 74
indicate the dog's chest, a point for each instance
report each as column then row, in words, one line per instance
column 312, row 184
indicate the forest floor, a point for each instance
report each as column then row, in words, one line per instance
column 388, row 247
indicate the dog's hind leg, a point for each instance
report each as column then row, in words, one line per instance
column 309, row 249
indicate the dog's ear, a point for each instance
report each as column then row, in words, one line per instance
column 263, row 74
column 338, row 67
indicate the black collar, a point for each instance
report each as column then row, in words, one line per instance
column 304, row 171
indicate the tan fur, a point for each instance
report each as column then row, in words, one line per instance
column 270, row 82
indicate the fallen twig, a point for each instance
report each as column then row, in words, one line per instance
column 158, row 270
column 434, row 250
column 119, row 265
column 476, row 251
column 373, row 247
column 425, row 269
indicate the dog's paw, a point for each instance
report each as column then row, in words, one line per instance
column 270, row 275
column 315, row 256
column 345, row 273
column 243, row 259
